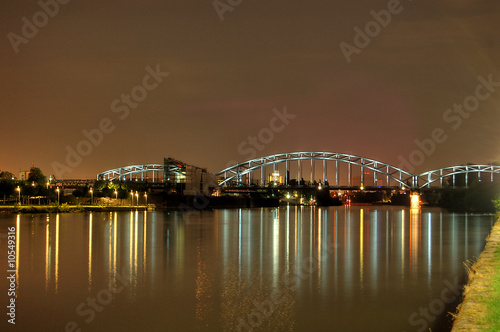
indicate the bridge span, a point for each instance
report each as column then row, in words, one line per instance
column 337, row 170
column 346, row 171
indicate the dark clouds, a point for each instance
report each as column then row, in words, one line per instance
column 227, row 76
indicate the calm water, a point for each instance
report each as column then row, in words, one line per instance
column 287, row 269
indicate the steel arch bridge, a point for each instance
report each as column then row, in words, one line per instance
column 129, row 172
column 439, row 175
column 382, row 174
column 354, row 171
column 242, row 173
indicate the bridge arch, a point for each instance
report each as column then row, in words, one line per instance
column 134, row 171
column 427, row 178
column 243, row 172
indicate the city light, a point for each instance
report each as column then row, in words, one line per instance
column 19, row 190
column 415, row 200
column 57, row 195
column 91, row 196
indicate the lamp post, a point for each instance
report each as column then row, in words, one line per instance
column 131, row 197
column 19, row 190
column 48, row 184
column 146, row 195
column 116, row 195
column 58, row 191
column 137, row 197
column 91, row 196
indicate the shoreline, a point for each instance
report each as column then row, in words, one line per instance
column 472, row 312
column 69, row 208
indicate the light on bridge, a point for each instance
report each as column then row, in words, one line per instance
column 415, row 200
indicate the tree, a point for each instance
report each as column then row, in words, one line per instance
column 6, row 188
column 4, row 175
column 36, row 175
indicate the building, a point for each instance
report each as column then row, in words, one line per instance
column 188, row 180
column 276, row 178
column 23, row 176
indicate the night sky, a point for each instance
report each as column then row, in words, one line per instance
column 232, row 69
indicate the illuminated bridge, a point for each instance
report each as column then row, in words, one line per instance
column 345, row 171
column 153, row 172
column 337, row 170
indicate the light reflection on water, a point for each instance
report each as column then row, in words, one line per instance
column 293, row 268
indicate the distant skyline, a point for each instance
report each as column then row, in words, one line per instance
column 87, row 87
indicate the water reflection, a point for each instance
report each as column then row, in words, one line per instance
column 18, row 247
column 292, row 268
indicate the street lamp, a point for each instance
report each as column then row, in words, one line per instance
column 116, row 194
column 19, row 190
column 131, row 197
column 91, row 196
column 137, row 197
column 58, row 195
column 48, row 184
column 146, row 195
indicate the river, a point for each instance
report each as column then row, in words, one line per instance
column 347, row 268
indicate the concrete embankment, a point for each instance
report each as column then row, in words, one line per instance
column 474, row 313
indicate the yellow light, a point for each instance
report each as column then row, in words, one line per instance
column 415, row 201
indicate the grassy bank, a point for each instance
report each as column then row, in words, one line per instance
column 480, row 309
column 65, row 208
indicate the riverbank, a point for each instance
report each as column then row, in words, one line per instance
column 64, row 208
column 480, row 308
